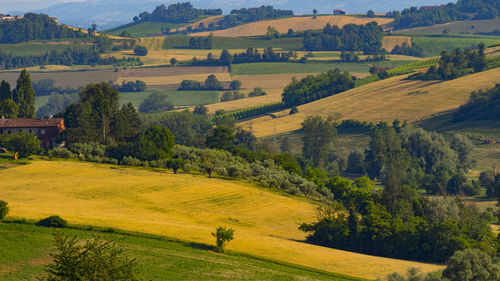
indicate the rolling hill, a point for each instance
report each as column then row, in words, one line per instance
column 184, row 207
column 386, row 100
column 296, row 23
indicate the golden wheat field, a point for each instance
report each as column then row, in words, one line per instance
column 386, row 100
column 184, row 207
column 296, row 23
column 389, row 42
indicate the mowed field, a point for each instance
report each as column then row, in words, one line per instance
column 386, row 100
column 183, row 207
column 459, row 27
column 434, row 45
column 298, row 24
column 389, row 42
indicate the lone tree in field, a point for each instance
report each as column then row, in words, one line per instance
column 173, row 61
column 141, row 51
column 370, row 14
column 97, row 259
column 222, row 236
column 315, row 13
column 4, row 209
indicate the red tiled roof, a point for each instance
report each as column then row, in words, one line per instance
column 30, row 123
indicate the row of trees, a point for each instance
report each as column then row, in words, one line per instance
column 251, row 55
column 241, row 16
column 351, row 37
column 176, row 13
column 20, row 102
column 204, row 43
column 211, row 84
column 455, row 64
column 312, row 88
column 482, row 105
column 36, row 27
column 408, row 50
column 130, row 86
column 70, row 56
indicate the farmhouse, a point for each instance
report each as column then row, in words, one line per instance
column 9, row 17
column 47, row 129
column 338, row 12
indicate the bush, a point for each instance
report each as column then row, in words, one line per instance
column 53, row 221
column 294, row 110
column 24, row 144
column 141, row 51
column 61, row 153
column 222, row 236
column 4, row 209
column 257, row 92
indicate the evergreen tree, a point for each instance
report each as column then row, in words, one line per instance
column 24, row 96
column 5, row 92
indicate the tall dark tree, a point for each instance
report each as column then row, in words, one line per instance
column 221, row 137
column 318, row 137
column 127, row 123
column 5, row 92
column 155, row 143
column 24, row 96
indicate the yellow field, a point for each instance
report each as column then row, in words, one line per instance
column 393, row 98
column 389, row 42
column 206, row 22
column 184, row 207
column 298, row 24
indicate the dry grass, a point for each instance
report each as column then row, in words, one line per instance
column 393, row 98
column 298, row 24
column 184, row 207
column 206, row 22
column 389, row 42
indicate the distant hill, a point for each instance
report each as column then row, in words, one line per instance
column 106, row 14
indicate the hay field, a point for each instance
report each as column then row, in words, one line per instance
column 184, row 207
column 389, row 42
column 386, row 100
column 298, row 24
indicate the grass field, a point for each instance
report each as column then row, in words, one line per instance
column 26, row 250
column 177, row 98
column 385, row 100
column 459, row 27
column 434, row 45
column 298, row 24
column 66, row 78
column 143, row 29
column 25, row 49
column 317, row 67
column 182, row 207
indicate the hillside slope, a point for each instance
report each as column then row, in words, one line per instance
column 298, row 24
column 184, row 207
column 386, row 100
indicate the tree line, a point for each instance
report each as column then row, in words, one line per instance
column 351, row 37
column 36, row 27
column 456, row 64
column 176, row 13
column 244, row 15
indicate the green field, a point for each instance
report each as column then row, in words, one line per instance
column 178, row 98
column 316, row 67
column 459, row 27
column 143, row 29
column 180, row 41
column 434, row 45
column 326, row 55
column 25, row 250
column 37, row 48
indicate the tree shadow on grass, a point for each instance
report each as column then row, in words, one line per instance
column 200, row 246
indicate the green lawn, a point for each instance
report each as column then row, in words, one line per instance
column 180, row 41
column 313, row 67
column 178, row 98
column 25, row 250
column 37, row 48
column 434, row 45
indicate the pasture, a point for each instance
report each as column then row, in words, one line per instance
column 298, row 24
column 183, row 207
column 458, row 27
column 142, row 29
column 434, row 45
column 39, row 48
column 386, row 100
column 26, row 249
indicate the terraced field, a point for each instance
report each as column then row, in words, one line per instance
column 386, row 100
column 183, row 207
column 298, row 24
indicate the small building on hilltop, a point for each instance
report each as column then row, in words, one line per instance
column 338, row 12
column 46, row 129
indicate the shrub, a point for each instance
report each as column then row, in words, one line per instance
column 61, row 153
column 222, row 236
column 53, row 221
column 257, row 92
column 294, row 110
column 4, row 209
column 140, row 51
column 130, row 161
column 24, row 144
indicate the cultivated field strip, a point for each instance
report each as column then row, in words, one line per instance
column 386, row 100
column 183, row 207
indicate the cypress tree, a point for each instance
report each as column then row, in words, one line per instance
column 24, row 96
column 5, row 92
